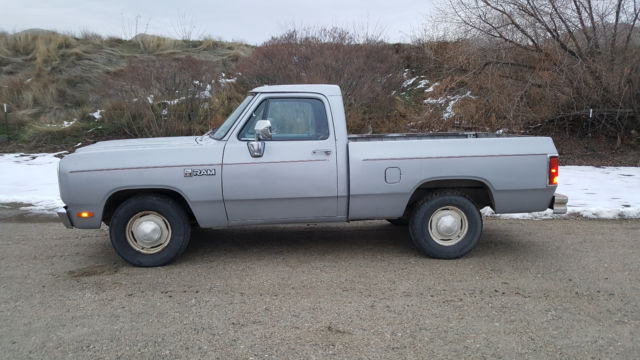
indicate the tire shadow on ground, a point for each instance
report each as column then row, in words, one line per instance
column 300, row 240
column 376, row 239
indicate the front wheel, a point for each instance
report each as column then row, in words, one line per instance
column 445, row 225
column 149, row 230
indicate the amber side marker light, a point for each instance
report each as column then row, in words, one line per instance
column 553, row 170
column 85, row 214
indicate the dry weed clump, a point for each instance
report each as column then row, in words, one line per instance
column 92, row 37
column 151, row 44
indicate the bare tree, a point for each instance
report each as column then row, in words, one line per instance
column 591, row 46
column 580, row 28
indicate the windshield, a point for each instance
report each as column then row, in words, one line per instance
column 224, row 128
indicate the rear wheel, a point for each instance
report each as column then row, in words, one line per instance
column 149, row 230
column 446, row 225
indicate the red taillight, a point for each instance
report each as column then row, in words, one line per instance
column 553, row 170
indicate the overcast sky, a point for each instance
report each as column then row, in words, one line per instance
column 250, row 21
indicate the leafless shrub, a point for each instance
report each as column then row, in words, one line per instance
column 134, row 26
column 160, row 96
column 186, row 28
column 367, row 70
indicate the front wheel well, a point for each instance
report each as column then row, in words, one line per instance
column 477, row 191
column 117, row 198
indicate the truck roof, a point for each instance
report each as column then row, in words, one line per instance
column 324, row 89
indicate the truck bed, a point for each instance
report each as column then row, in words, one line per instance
column 385, row 171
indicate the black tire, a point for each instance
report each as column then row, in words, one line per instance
column 424, row 225
column 162, row 207
column 399, row 221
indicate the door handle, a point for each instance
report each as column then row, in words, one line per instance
column 321, row 152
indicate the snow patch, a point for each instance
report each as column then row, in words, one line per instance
column 175, row 101
column 98, row 114
column 66, row 124
column 432, row 87
column 30, row 179
column 422, row 83
column 601, row 192
column 449, row 101
column 407, row 83
column 206, row 93
column 594, row 192
column 224, row 80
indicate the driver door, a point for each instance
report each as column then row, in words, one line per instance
column 295, row 179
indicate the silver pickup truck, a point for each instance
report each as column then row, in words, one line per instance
column 284, row 156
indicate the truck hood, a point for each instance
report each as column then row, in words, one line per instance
column 120, row 155
column 148, row 143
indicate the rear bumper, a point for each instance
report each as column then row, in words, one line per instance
column 559, row 203
column 65, row 218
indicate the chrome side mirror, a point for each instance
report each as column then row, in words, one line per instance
column 263, row 132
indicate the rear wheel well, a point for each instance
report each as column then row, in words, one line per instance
column 477, row 191
column 117, row 198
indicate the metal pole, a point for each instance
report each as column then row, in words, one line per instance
column 590, row 119
column 6, row 122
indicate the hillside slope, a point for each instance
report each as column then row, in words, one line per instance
column 63, row 90
column 54, row 84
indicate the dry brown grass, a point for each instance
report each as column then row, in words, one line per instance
column 40, row 46
column 151, row 44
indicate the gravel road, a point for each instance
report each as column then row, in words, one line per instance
column 530, row 289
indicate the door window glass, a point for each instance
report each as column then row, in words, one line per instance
column 291, row 119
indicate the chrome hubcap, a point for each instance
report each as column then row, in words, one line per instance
column 448, row 225
column 148, row 232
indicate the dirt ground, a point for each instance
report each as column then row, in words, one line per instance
column 597, row 152
column 530, row 289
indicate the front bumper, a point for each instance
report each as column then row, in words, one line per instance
column 559, row 203
column 65, row 218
